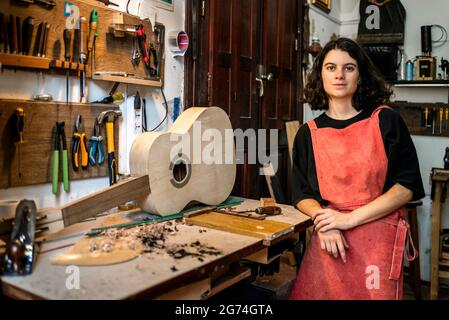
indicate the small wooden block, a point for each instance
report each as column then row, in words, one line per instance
column 267, row 202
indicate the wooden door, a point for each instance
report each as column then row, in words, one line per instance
column 234, row 43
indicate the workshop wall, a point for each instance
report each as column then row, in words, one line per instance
column 24, row 85
column 345, row 17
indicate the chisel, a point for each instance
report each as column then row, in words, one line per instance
column 2, row 33
column 82, row 58
column 19, row 35
column 27, row 34
column 45, row 40
column 13, row 35
column 5, row 33
column 38, row 40
column 67, row 46
column 20, row 122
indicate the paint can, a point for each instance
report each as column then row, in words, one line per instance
column 409, row 70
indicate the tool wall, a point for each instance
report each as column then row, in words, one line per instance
column 113, row 51
column 31, row 162
column 427, row 119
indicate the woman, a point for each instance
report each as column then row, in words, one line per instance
column 355, row 167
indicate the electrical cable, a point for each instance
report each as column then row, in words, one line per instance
column 127, row 9
column 443, row 34
column 163, row 120
column 144, row 115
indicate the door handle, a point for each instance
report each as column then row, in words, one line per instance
column 260, row 79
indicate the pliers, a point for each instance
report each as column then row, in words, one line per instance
column 79, row 145
column 60, row 142
column 96, row 146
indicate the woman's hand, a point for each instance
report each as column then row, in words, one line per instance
column 328, row 219
column 334, row 243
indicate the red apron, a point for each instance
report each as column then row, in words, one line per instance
column 351, row 166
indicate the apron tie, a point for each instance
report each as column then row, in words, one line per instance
column 403, row 239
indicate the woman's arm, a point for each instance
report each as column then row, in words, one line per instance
column 331, row 241
column 395, row 198
column 309, row 207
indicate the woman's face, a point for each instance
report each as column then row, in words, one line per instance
column 340, row 74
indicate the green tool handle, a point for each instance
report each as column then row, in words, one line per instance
column 65, row 171
column 55, row 168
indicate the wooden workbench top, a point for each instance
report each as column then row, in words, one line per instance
column 149, row 275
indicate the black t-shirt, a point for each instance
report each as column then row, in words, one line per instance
column 403, row 166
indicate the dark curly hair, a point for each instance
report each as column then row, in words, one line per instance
column 372, row 91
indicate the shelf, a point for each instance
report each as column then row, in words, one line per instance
column 421, row 83
column 128, row 79
column 32, row 62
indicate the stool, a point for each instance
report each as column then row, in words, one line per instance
column 414, row 268
column 440, row 179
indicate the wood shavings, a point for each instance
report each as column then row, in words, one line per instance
column 153, row 238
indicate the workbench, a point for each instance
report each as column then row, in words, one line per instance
column 151, row 275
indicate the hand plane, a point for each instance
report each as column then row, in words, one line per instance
column 20, row 250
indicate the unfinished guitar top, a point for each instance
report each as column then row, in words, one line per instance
column 204, row 170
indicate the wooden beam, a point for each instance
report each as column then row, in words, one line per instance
column 435, row 245
column 292, row 128
column 90, row 205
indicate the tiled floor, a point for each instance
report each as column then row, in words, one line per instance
column 281, row 283
column 425, row 291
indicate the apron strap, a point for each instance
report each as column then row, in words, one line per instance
column 403, row 239
column 312, row 125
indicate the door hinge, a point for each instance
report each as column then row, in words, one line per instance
column 203, row 8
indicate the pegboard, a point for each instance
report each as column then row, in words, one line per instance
column 112, row 54
column 36, row 154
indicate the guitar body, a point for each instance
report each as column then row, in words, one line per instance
column 193, row 162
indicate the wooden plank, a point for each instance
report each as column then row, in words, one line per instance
column 36, row 153
column 130, row 80
column 262, row 229
column 22, row 61
column 444, row 263
column 292, row 128
column 443, row 274
column 193, row 291
column 90, row 205
column 224, row 282
column 17, row 60
column 435, row 245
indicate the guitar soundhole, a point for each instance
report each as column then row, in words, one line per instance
column 180, row 171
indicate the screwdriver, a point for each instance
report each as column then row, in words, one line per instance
column 67, row 48
column 20, row 122
column 426, row 116
column 446, row 118
column 93, row 33
column 82, row 58
column 434, row 119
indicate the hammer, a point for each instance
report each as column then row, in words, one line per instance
column 110, row 116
